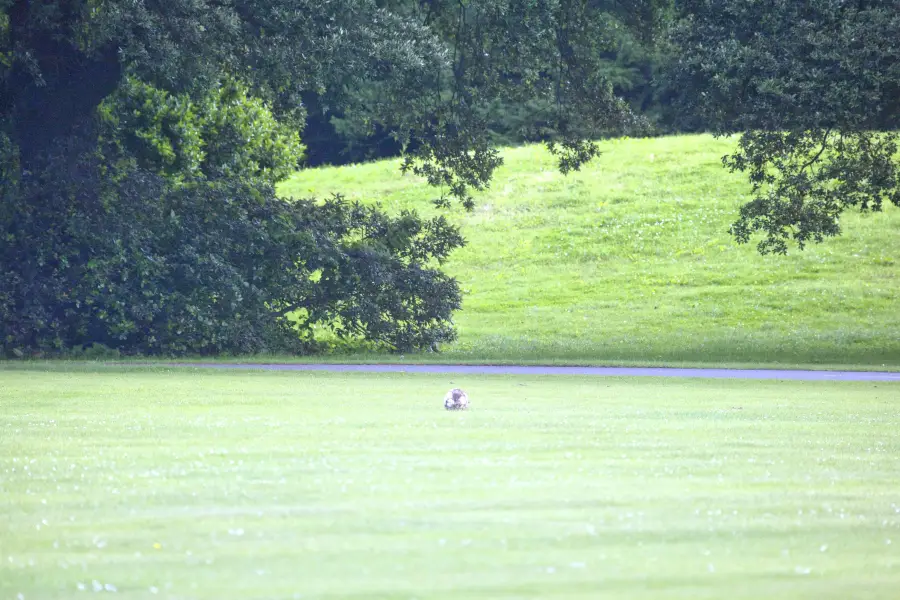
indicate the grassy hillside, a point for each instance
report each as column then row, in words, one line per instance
column 630, row 260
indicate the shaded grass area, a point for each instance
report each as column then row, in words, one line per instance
column 271, row 485
column 630, row 261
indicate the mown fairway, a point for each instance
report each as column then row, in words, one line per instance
column 631, row 260
column 165, row 484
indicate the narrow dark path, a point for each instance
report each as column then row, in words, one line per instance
column 590, row 371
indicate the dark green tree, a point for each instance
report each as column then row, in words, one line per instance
column 140, row 141
column 165, row 237
column 814, row 90
column 140, row 147
column 625, row 55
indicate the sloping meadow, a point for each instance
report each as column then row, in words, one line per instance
column 631, row 260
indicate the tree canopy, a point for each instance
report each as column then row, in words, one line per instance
column 140, row 142
column 429, row 66
column 814, row 90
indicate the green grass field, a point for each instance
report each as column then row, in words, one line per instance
column 176, row 484
column 630, row 261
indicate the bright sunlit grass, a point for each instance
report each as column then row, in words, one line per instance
column 165, row 484
column 631, row 260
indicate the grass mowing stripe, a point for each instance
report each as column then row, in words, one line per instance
column 320, row 485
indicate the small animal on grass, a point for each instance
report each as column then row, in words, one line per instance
column 456, row 399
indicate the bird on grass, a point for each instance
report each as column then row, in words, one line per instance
column 456, row 399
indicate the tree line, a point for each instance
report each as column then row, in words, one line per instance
column 141, row 141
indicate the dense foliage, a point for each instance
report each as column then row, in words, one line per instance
column 137, row 248
column 140, row 146
column 814, row 89
column 626, row 57
column 225, row 134
column 140, row 142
